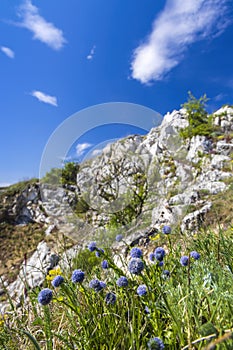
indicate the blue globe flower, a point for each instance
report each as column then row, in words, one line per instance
column 184, row 260
column 159, row 253
column 45, row 296
column 77, row 276
column 122, row 282
column 92, row 246
column 110, row 298
column 119, row 238
column 136, row 253
column 142, row 290
column 97, row 285
column 104, row 264
column 147, row 310
column 166, row 230
column 57, row 281
column 135, row 266
column 195, row 255
column 155, row 344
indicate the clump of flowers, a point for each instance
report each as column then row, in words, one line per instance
column 110, row 298
column 45, row 296
column 97, row 285
column 119, row 237
column 104, row 264
column 166, row 230
column 195, row 255
column 122, row 282
column 92, row 246
column 159, row 253
column 142, row 290
column 78, row 276
column 135, row 266
column 184, row 260
column 136, row 253
column 155, row 344
column 57, row 281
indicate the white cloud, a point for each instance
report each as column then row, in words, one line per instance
column 91, row 54
column 96, row 152
column 7, row 51
column 180, row 24
column 41, row 29
column 81, row 148
column 42, row 97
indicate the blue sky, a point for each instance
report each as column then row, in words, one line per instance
column 59, row 57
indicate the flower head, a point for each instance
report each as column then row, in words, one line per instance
column 97, row 285
column 92, row 246
column 135, row 266
column 99, row 252
column 195, row 255
column 110, row 298
column 166, row 230
column 184, row 260
column 77, row 276
column 57, row 281
column 136, row 253
column 142, row 290
column 104, row 264
column 155, row 344
column 122, row 282
column 45, row 296
column 159, row 253
column 147, row 310
column 119, row 238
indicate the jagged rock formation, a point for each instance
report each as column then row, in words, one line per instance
column 139, row 181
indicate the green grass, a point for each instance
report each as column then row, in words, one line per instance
column 189, row 310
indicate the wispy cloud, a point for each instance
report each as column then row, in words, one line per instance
column 180, row 24
column 7, row 51
column 91, row 54
column 219, row 97
column 81, row 148
column 41, row 29
column 42, row 97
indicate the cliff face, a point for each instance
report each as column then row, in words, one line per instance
column 137, row 184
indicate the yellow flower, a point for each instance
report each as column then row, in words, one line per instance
column 2, row 319
column 53, row 273
column 155, row 237
column 55, row 300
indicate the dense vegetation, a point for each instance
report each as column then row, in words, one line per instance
column 181, row 296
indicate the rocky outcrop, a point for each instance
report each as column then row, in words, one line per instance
column 159, row 178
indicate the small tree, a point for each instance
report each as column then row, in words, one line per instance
column 199, row 122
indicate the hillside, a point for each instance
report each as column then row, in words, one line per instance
column 137, row 185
